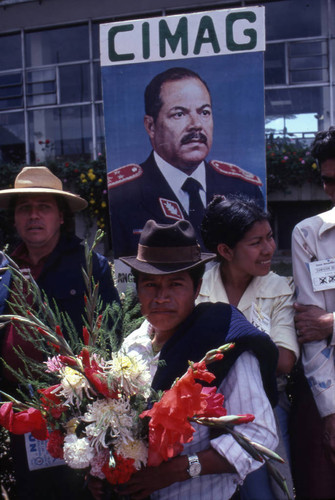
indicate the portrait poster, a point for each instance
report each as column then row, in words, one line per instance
column 225, row 49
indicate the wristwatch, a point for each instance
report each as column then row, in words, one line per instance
column 194, row 466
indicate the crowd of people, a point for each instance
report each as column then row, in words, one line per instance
column 194, row 299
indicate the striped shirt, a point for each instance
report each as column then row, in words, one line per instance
column 244, row 393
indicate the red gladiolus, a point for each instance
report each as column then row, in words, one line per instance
column 85, row 356
column 214, row 403
column 59, row 331
column 201, row 372
column 30, row 420
column 122, row 472
column 51, row 402
column 99, row 382
column 67, row 360
column 43, row 332
column 95, row 376
column 99, row 321
column 55, row 444
column 245, row 419
column 86, row 336
column 169, row 428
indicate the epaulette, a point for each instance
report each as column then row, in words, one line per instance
column 235, row 171
column 124, row 174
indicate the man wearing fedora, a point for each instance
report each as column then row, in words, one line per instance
column 168, row 269
column 42, row 213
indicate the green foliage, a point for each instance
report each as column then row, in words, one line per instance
column 289, row 163
column 42, row 324
column 52, row 332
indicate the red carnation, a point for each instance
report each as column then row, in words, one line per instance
column 55, row 444
column 122, row 472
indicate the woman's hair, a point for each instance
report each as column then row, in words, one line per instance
column 228, row 218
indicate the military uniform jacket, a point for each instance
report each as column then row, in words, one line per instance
column 138, row 193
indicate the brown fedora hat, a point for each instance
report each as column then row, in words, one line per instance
column 167, row 248
column 40, row 180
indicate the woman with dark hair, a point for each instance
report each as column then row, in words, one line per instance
column 239, row 232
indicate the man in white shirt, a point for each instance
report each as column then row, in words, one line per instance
column 175, row 182
column 313, row 244
column 168, row 269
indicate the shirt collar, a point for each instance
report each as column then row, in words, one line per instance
column 176, row 177
column 328, row 221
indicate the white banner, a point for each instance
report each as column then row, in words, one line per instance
column 221, row 32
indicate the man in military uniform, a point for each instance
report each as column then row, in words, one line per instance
column 175, row 182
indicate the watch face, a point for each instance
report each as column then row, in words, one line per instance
column 194, row 469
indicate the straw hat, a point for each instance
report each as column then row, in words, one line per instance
column 36, row 180
column 167, row 248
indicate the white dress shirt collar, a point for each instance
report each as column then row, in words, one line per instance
column 176, row 178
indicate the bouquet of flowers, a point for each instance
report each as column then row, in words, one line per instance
column 96, row 407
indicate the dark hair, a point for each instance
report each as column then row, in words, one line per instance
column 196, row 274
column 152, row 94
column 228, row 219
column 323, row 147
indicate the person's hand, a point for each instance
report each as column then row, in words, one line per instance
column 149, row 479
column 329, row 436
column 96, row 487
column 312, row 323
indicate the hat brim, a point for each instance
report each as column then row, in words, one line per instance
column 75, row 202
column 161, row 268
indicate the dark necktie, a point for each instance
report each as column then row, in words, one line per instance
column 196, row 210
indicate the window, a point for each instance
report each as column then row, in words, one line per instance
column 74, row 83
column 11, row 92
column 57, row 45
column 308, row 62
column 62, row 132
column 10, row 52
column 296, row 111
column 12, row 146
column 300, row 18
column 41, row 87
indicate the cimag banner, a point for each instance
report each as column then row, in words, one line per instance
column 183, row 98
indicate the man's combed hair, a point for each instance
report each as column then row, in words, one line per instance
column 152, row 98
column 323, row 147
column 228, row 218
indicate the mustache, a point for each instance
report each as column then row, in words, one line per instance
column 199, row 136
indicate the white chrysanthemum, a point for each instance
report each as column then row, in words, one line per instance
column 135, row 449
column 73, row 384
column 98, row 462
column 112, row 415
column 77, row 452
column 129, row 372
